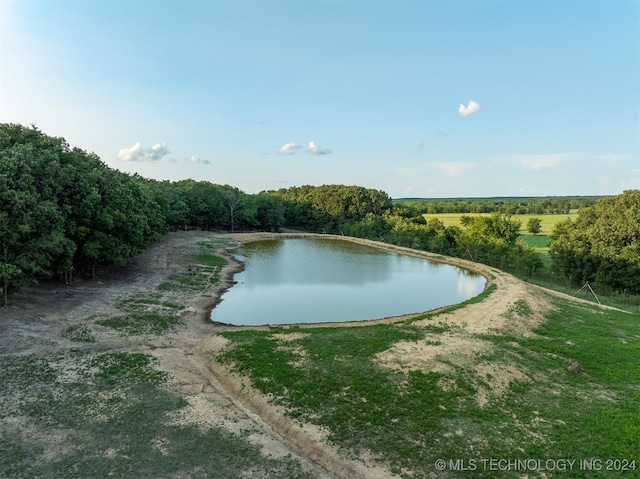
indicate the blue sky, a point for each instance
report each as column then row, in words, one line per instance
column 416, row 98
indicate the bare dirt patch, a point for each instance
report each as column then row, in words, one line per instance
column 434, row 353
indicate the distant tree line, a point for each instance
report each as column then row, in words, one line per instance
column 507, row 206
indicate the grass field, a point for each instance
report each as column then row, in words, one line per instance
column 547, row 221
column 540, row 242
column 332, row 377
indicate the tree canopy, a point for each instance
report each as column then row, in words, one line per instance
column 602, row 245
column 326, row 207
column 506, row 206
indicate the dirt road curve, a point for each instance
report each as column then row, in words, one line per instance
column 37, row 316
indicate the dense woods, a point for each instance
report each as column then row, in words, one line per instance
column 64, row 212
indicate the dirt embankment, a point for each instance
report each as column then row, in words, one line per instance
column 37, row 317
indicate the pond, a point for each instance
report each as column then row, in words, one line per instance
column 316, row 280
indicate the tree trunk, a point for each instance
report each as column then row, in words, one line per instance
column 5, row 293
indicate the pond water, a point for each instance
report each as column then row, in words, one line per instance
column 316, row 280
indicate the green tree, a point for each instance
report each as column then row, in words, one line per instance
column 534, row 225
column 329, row 206
column 31, row 222
column 602, row 245
column 494, row 228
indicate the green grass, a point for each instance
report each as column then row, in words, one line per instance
column 118, row 367
column 80, row 333
column 540, row 243
column 144, row 315
column 208, row 260
column 202, row 271
column 149, row 315
column 330, row 377
column 519, row 308
column 136, row 324
column 140, row 303
column 448, row 309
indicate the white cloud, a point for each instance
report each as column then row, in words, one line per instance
column 472, row 107
column 539, row 162
column 158, row 151
column 529, row 191
column 137, row 152
column 289, row 148
column 455, row 168
column 199, row 161
column 611, row 158
column 632, row 180
column 315, row 149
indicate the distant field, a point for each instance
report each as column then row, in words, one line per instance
column 539, row 242
column 548, row 221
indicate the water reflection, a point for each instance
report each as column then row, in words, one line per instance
column 309, row 280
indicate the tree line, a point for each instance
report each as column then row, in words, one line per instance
column 509, row 206
column 63, row 212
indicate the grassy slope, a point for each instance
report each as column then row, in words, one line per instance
column 331, row 377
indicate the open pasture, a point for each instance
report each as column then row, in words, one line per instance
column 548, row 221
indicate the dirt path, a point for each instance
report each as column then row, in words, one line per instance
column 37, row 317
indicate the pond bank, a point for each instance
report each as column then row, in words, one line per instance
column 39, row 317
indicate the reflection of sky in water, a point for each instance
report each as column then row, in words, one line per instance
column 466, row 289
column 304, row 280
column 327, row 262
